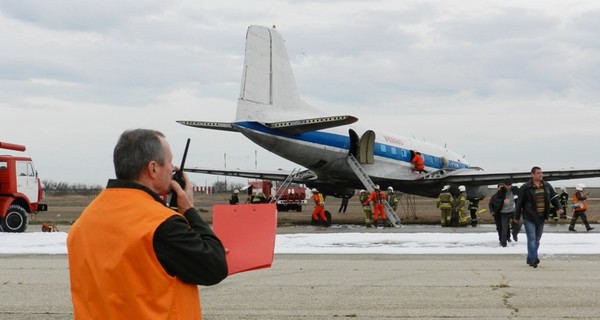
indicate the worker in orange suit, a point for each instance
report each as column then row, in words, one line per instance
column 378, row 208
column 319, row 211
column 418, row 163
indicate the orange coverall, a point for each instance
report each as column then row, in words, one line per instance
column 319, row 211
column 377, row 197
column 417, row 161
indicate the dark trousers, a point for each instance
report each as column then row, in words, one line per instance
column 504, row 232
column 498, row 222
column 583, row 216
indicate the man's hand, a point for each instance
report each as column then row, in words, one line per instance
column 185, row 197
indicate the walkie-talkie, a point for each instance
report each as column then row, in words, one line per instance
column 178, row 177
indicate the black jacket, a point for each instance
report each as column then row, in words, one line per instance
column 497, row 200
column 526, row 205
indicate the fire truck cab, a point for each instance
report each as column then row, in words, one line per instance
column 20, row 191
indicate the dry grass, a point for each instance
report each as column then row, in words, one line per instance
column 66, row 209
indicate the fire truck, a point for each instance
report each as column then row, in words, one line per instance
column 291, row 198
column 20, row 190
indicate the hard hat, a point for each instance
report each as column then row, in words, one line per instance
column 462, row 188
column 376, row 187
column 391, row 189
column 363, row 191
column 563, row 189
column 314, row 190
column 579, row 186
column 446, row 187
column 236, row 191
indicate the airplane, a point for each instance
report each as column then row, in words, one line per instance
column 272, row 114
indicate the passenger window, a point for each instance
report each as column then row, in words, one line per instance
column 382, row 147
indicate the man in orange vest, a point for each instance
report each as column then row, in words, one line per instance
column 319, row 210
column 378, row 207
column 132, row 257
column 418, row 163
column 579, row 208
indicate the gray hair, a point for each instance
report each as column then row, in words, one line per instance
column 134, row 150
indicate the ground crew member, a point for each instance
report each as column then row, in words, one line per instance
column 579, row 208
column 418, row 163
column 461, row 207
column 234, row 197
column 444, row 203
column 366, row 208
column 377, row 197
column 149, row 264
column 564, row 201
column 319, row 210
column 259, row 198
column 473, row 206
column 392, row 198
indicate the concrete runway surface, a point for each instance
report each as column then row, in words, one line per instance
column 351, row 286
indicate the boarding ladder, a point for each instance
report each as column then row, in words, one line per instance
column 368, row 183
column 286, row 183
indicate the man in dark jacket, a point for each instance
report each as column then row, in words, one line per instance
column 503, row 205
column 535, row 199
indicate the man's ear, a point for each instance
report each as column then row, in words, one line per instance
column 151, row 168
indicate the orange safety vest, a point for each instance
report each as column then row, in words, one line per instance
column 114, row 271
column 318, row 198
column 583, row 202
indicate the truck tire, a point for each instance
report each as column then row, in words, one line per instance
column 15, row 219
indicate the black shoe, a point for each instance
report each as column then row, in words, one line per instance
column 508, row 240
column 572, row 229
column 590, row 228
column 503, row 245
column 535, row 264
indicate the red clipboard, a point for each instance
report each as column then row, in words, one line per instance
column 248, row 234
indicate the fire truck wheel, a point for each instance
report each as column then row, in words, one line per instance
column 15, row 219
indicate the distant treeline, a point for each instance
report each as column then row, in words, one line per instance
column 58, row 188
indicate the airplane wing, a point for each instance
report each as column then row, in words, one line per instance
column 476, row 176
column 279, row 175
column 291, row 126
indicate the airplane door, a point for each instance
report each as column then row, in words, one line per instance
column 353, row 143
column 367, row 148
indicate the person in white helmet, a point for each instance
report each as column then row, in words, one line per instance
column 392, row 198
column 579, row 208
column 445, row 202
column 378, row 198
column 234, row 199
column 461, row 207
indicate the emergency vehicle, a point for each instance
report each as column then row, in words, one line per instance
column 20, row 190
column 293, row 197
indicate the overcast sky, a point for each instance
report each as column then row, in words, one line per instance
column 506, row 83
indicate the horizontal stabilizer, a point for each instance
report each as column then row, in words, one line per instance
column 313, row 124
column 224, row 126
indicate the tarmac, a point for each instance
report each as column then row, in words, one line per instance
column 377, row 286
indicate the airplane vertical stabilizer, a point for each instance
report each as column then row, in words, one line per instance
column 268, row 91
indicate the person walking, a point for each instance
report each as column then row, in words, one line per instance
column 132, row 257
column 495, row 205
column 505, row 200
column 319, row 210
column 444, row 203
column 535, row 198
column 392, row 198
column 579, row 208
column 377, row 197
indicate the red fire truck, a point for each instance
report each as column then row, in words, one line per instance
column 291, row 198
column 20, row 190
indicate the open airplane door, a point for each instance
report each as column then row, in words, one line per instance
column 366, row 148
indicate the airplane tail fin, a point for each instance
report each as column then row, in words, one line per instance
column 268, row 91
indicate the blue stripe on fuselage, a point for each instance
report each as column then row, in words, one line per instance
column 343, row 142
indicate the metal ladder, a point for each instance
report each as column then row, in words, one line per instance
column 368, row 183
column 286, row 183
